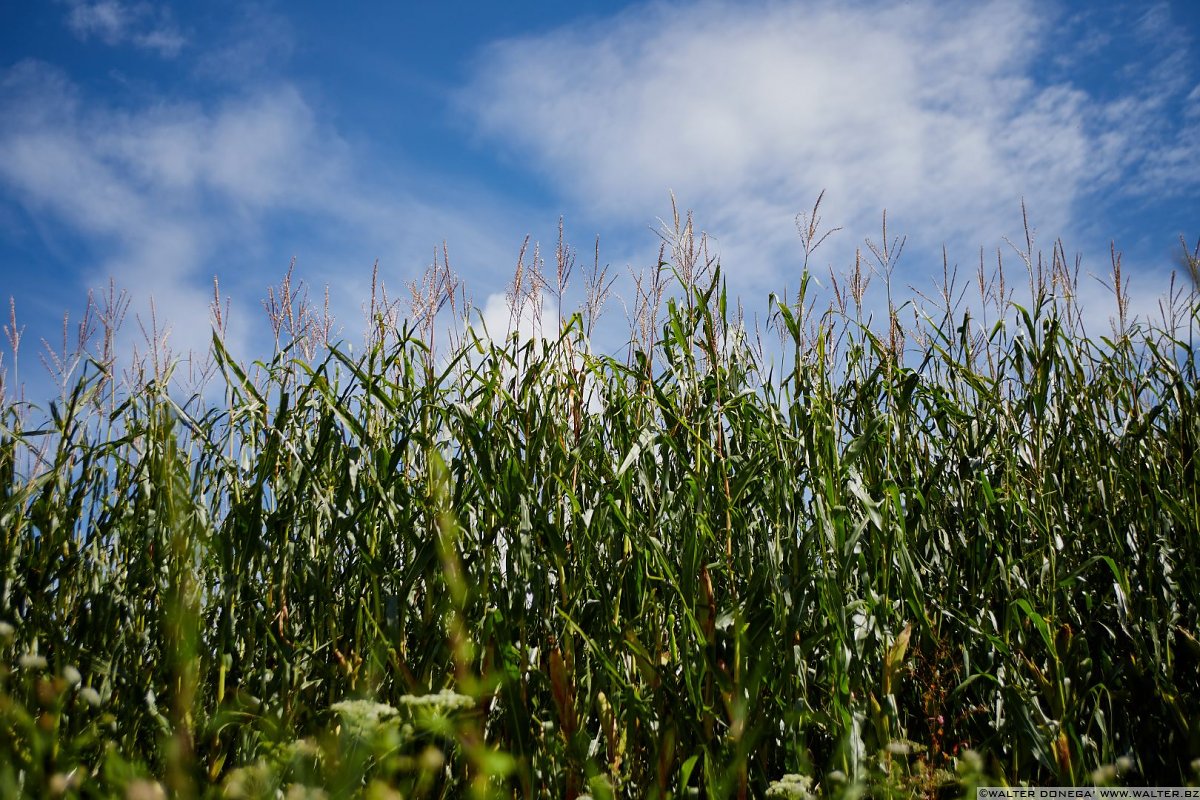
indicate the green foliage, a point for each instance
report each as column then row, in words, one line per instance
column 527, row 570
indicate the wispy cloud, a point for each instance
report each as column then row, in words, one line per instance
column 144, row 25
column 168, row 194
column 257, row 44
column 941, row 113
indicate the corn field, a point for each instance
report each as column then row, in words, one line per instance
column 958, row 548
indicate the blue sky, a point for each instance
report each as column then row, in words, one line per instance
column 164, row 144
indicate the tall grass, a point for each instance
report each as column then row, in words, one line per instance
column 960, row 549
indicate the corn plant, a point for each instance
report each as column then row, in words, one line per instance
column 949, row 552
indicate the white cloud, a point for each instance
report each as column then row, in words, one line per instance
column 166, row 195
column 934, row 111
column 536, row 319
column 248, row 149
column 50, row 157
column 107, row 20
column 114, row 23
